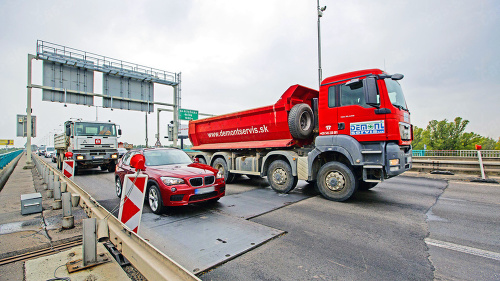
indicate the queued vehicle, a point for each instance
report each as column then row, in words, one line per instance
column 49, row 152
column 173, row 178
column 121, row 151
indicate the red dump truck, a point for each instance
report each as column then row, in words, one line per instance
column 352, row 134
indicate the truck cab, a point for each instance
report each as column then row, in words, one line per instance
column 92, row 143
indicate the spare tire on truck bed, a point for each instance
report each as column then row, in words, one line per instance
column 301, row 121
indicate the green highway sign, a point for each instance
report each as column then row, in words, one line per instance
column 188, row 114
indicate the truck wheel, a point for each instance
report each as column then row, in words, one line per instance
column 336, row 181
column 59, row 163
column 118, row 187
column 366, row 185
column 202, row 161
column 301, row 121
column 221, row 165
column 154, row 199
column 280, row 178
column 111, row 167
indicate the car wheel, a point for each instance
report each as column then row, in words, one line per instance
column 336, row 181
column 279, row 176
column 154, row 199
column 118, row 187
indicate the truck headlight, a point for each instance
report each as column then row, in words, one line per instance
column 171, row 181
column 393, row 162
column 114, row 156
column 79, row 157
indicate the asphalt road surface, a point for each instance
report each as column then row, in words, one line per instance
column 406, row 228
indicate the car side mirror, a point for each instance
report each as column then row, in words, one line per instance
column 371, row 91
column 196, row 160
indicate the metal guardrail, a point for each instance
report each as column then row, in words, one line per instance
column 457, row 153
column 152, row 263
column 7, row 157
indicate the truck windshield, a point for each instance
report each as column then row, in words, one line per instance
column 159, row 157
column 95, row 129
column 395, row 94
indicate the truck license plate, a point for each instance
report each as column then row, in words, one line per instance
column 97, row 157
column 204, row 190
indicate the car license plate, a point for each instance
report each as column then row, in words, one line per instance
column 204, row 190
column 97, row 157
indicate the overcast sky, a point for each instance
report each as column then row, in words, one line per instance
column 236, row 55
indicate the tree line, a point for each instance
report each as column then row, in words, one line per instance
column 444, row 135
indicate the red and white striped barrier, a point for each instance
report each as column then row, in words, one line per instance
column 69, row 169
column 132, row 201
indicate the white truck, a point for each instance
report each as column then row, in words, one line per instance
column 93, row 144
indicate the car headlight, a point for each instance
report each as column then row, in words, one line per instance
column 171, row 181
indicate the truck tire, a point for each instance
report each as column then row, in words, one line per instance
column 301, row 121
column 111, row 166
column 59, row 163
column 336, row 181
column 280, row 178
column 221, row 165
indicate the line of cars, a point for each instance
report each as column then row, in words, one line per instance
column 47, row 152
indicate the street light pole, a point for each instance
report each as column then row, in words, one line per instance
column 320, row 14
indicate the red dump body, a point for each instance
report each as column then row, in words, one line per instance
column 263, row 127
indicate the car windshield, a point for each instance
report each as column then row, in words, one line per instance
column 395, row 94
column 166, row 157
column 95, row 129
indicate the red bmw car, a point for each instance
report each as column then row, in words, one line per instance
column 173, row 178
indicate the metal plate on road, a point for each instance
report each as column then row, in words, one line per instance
column 199, row 238
column 204, row 240
column 256, row 202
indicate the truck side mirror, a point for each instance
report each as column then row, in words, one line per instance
column 119, row 132
column 68, row 131
column 371, row 91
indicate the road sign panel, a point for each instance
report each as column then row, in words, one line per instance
column 132, row 201
column 6, row 142
column 188, row 114
column 69, row 169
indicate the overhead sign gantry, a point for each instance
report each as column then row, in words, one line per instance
column 68, row 77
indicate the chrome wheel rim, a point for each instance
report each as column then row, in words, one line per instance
column 153, row 199
column 221, row 170
column 279, row 176
column 335, row 181
column 118, row 187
